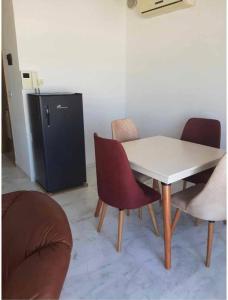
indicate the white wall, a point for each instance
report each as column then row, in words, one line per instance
column 14, row 88
column 160, row 71
column 77, row 46
column 176, row 68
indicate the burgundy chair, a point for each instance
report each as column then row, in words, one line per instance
column 206, row 132
column 117, row 186
column 124, row 130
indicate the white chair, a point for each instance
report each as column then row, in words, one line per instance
column 205, row 202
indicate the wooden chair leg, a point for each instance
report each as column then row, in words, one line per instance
column 156, row 186
column 102, row 216
column 175, row 220
column 209, row 242
column 98, row 208
column 140, row 213
column 128, row 212
column 120, row 230
column 197, row 221
column 153, row 218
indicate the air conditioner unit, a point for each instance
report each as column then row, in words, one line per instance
column 158, row 7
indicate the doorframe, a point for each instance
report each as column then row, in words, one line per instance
column 5, row 94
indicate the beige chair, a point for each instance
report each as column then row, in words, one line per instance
column 124, row 130
column 205, row 202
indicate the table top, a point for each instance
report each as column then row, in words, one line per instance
column 169, row 160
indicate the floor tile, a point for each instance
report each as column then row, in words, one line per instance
column 97, row 271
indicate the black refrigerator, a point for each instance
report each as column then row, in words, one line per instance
column 58, row 140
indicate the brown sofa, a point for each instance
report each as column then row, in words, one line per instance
column 36, row 246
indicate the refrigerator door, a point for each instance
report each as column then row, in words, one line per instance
column 63, row 133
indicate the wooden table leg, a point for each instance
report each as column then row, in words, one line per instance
column 166, row 200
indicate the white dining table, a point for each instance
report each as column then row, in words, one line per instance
column 169, row 160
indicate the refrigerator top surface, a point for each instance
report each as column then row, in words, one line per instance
column 53, row 94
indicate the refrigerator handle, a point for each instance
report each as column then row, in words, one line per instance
column 48, row 115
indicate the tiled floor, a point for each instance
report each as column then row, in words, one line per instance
column 97, row 271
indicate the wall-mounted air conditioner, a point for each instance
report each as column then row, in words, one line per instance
column 158, row 7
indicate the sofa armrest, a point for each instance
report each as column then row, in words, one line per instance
column 41, row 275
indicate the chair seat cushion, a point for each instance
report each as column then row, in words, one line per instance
column 181, row 199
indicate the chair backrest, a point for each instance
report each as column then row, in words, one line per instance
column 202, row 131
column 210, row 203
column 115, row 181
column 124, row 130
